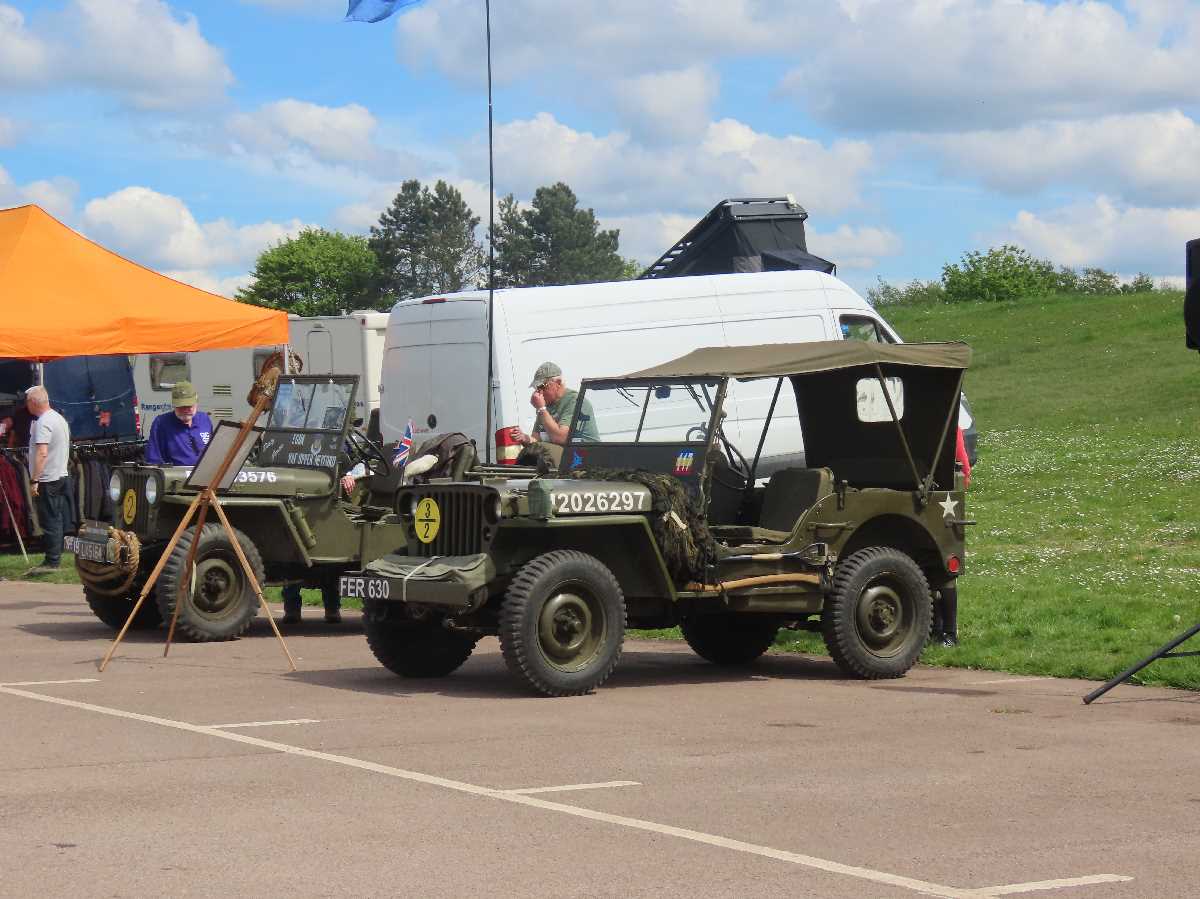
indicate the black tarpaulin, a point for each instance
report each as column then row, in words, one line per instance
column 1191, row 300
column 742, row 235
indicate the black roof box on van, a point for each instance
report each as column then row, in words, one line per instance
column 743, row 235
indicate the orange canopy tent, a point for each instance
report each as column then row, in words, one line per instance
column 63, row 295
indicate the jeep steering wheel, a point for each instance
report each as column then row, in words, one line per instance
column 369, row 453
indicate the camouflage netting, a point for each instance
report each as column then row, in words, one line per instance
column 542, row 456
column 683, row 537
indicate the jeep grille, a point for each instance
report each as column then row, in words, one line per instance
column 136, row 481
column 463, row 529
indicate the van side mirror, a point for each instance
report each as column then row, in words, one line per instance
column 662, row 392
column 357, row 422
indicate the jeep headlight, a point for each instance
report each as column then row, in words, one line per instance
column 151, row 491
column 493, row 509
column 114, row 487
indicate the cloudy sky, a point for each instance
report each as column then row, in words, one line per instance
column 191, row 134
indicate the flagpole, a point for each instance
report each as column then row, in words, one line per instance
column 489, row 437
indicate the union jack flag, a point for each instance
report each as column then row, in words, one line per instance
column 403, row 447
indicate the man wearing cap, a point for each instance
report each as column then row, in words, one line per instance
column 180, row 438
column 555, row 407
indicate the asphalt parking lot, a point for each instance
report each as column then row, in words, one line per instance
column 216, row 771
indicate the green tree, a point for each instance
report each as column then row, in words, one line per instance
column 425, row 242
column 318, row 272
column 554, row 242
column 1003, row 273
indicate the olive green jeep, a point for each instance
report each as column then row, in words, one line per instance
column 663, row 520
column 286, row 505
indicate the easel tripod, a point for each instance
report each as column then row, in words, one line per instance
column 207, row 498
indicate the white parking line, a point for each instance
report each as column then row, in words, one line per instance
column 46, row 683
column 267, row 723
column 923, row 887
column 568, row 787
column 1065, row 882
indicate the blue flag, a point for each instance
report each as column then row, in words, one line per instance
column 375, row 10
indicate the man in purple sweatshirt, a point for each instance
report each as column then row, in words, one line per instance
column 179, row 438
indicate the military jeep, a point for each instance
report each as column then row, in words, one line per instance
column 665, row 521
column 286, row 505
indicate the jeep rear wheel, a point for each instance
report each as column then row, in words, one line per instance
column 725, row 639
column 876, row 619
column 221, row 603
column 412, row 649
column 562, row 623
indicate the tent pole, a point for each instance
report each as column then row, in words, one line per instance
column 488, row 437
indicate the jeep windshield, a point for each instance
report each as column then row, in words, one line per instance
column 664, row 411
column 311, row 405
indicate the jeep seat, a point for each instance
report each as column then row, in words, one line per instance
column 789, row 494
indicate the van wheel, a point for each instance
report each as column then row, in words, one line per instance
column 876, row 619
column 416, row 650
column 725, row 639
column 222, row 603
column 562, row 623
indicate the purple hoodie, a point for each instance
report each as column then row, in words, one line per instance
column 174, row 443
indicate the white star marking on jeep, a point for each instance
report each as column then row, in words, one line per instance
column 949, row 506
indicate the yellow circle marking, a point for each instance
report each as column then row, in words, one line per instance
column 429, row 519
column 129, row 506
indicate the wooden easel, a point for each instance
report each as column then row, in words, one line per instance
column 206, row 499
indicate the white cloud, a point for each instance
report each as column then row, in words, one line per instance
column 854, row 248
column 671, row 106
column 1107, row 234
column 139, row 49
column 334, row 8
column 627, row 36
column 646, row 237
column 972, row 64
column 620, row 176
column 55, row 195
column 9, row 132
column 330, row 133
column 1150, row 158
column 24, row 59
column 160, row 231
column 206, row 280
column 335, row 148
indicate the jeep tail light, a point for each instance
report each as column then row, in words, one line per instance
column 953, row 565
column 507, row 448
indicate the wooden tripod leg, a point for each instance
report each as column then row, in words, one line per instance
column 185, row 582
column 237, row 548
column 162, row 562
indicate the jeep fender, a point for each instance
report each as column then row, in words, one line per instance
column 624, row 543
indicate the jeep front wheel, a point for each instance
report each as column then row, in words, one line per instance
column 562, row 623
column 221, row 602
column 412, row 649
column 876, row 619
column 726, row 639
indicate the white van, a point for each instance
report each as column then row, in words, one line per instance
column 334, row 344
column 435, row 358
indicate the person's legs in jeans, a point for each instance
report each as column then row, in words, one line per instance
column 291, row 604
column 331, row 597
column 51, row 500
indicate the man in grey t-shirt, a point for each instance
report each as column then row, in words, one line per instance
column 49, row 449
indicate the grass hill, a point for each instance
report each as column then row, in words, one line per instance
column 1087, row 489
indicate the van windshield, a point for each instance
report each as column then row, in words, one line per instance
column 658, row 412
